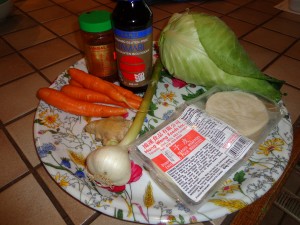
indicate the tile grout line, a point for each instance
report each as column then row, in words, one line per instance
column 94, row 216
column 40, row 181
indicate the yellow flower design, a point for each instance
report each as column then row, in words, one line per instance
column 49, row 119
column 62, row 180
column 148, row 197
column 271, row 145
column 108, row 200
column 77, row 158
column 231, row 204
column 167, row 95
column 228, row 187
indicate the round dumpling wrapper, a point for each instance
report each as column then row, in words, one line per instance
column 243, row 111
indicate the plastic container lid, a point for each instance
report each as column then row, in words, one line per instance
column 95, row 21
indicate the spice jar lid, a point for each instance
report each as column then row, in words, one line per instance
column 95, row 21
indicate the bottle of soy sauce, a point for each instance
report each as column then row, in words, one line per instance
column 132, row 25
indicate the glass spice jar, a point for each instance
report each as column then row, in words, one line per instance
column 99, row 46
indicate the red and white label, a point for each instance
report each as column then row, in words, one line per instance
column 195, row 151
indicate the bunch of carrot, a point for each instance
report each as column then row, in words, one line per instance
column 83, row 93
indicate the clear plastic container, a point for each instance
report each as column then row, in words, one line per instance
column 192, row 153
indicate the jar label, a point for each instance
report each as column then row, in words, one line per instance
column 101, row 60
column 134, row 56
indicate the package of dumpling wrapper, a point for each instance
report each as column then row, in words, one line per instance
column 205, row 140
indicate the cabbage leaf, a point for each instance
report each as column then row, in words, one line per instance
column 201, row 49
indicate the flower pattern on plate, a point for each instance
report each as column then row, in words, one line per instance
column 62, row 146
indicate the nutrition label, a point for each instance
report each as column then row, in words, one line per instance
column 195, row 151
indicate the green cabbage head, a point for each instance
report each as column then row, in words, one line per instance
column 201, row 49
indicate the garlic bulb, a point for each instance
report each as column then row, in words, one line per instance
column 109, row 165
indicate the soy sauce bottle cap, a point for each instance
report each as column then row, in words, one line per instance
column 95, row 21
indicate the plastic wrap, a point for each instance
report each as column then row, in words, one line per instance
column 192, row 153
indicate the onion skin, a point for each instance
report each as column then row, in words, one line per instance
column 109, row 165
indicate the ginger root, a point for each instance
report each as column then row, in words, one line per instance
column 110, row 131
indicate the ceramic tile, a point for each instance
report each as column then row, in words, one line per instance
column 103, row 7
column 49, row 13
column 30, row 37
column 22, row 133
column 52, row 72
column 112, row 4
column 290, row 16
column 49, row 52
column 75, row 39
column 26, row 203
column 60, row 1
column 284, row 26
column 156, row 34
column 222, row 7
column 261, row 56
column 294, row 51
column 240, row 28
column 285, row 68
column 161, row 24
column 196, row 3
column 64, row 25
column 269, row 39
column 173, row 8
column 16, row 21
column 199, row 9
column 19, row 97
column 31, row 5
column 159, row 14
column 272, row 45
column 78, row 6
column 77, row 211
column 250, row 16
column 291, row 101
column 263, row 6
column 239, row 2
column 5, row 49
column 11, row 71
column 104, row 1
column 11, row 164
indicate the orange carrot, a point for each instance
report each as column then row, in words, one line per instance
column 61, row 101
column 74, row 83
column 97, row 84
column 127, row 93
column 88, row 95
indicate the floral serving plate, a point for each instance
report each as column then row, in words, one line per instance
column 62, row 146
